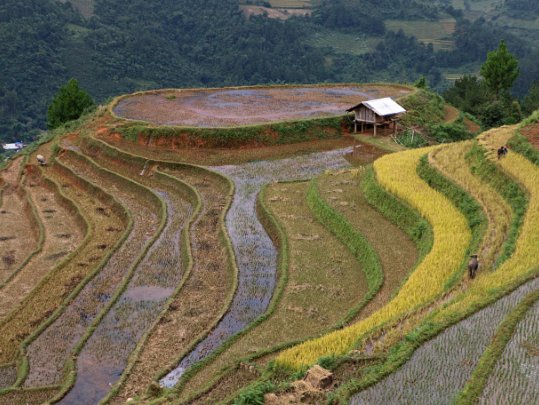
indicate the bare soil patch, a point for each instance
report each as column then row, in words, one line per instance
column 230, row 107
column 532, row 133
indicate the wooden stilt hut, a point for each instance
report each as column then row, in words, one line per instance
column 379, row 113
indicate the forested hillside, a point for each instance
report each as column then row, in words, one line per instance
column 113, row 47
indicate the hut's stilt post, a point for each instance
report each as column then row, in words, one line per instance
column 375, row 129
column 355, row 127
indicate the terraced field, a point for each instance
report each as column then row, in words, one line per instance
column 203, row 276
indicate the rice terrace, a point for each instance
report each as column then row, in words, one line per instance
column 253, row 245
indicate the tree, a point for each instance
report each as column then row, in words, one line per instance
column 531, row 101
column 68, row 104
column 500, row 70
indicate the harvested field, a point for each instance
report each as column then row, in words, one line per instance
column 60, row 284
column 398, row 254
column 63, row 336
column 48, row 352
column 63, row 230
column 17, row 223
column 255, row 253
column 311, row 301
column 440, row 368
column 198, row 304
column 215, row 108
column 144, row 298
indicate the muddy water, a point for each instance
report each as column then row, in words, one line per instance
column 145, row 297
column 255, row 253
column 8, row 375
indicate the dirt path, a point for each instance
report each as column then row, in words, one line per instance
column 18, row 233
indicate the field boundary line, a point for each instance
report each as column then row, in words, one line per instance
column 187, row 254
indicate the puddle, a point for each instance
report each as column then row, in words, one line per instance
column 149, row 293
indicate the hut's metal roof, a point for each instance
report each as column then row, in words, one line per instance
column 13, row 146
column 382, row 106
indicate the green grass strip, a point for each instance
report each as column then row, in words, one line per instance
column 356, row 243
column 511, row 191
column 399, row 213
column 476, row 384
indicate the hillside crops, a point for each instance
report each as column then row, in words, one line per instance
column 202, row 276
column 451, row 236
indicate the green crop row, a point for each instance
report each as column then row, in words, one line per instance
column 477, row 382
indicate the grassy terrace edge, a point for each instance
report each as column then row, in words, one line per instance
column 34, row 219
column 355, row 242
column 186, row 254
column 71, row 367
column 287, row 131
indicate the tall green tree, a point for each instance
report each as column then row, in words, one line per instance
column 500, row 70
column 68, row 104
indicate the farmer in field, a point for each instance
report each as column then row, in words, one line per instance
column 41, row 160
column 502, row 151
column 473, row 265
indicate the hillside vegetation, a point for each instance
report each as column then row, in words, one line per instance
column 113, row 48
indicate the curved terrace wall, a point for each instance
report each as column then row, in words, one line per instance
column 239, row 116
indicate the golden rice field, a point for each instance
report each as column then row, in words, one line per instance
column 145, row 279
